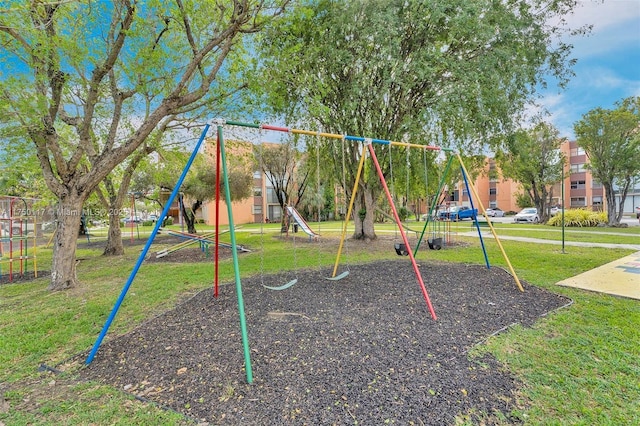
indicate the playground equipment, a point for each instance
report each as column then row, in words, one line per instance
column 299, row 220
column 221, row 161
column 18, row 225
column 204, row 240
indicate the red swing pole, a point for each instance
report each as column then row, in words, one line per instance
column 217, row 243
column 402, row 232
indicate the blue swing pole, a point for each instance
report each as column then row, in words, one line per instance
column 493, row 231
column 144, row 251
column 475, row 217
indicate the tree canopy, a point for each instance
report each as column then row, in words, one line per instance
column 611, row 140
column 533, row 159
column 456, row 73
column 87, row 82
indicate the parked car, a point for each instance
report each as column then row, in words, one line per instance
column 528, row 215
column 131, row 220
column 555, row 210
column 456, row 213
column 495, row 212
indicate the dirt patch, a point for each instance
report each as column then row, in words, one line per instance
column 18, row 278
column 361, row 350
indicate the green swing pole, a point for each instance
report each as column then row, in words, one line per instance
column 433, row 204
column 236, row 267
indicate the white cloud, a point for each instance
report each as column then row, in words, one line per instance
column 598, row 77
column 604, row 14
column 616, row 27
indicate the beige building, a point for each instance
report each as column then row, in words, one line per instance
column 581, row 190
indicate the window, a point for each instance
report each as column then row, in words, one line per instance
column 257, row 191
column 578, row 184
column 257, row 174
column 577, row 168
column 597, row 201
column 257, row 209
column 271, row 196
column 578, row 202
column 493, row 191
column 493, row 204
column 595, row 184
column 577, row 151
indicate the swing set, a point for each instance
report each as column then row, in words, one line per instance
column 366, row 151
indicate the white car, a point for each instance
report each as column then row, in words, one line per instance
column 495, row 212
column 528, row 215
column 555, row 210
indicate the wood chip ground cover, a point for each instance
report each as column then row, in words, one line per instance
column 363, row 350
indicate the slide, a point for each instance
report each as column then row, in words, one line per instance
column 301, row 222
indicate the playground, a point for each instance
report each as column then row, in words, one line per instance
column 365, row 349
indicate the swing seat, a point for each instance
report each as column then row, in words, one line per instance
column 282, row 287
column 338, row 277
column 401, row 249
column 435, row 243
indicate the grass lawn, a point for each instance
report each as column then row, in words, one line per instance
column 580, row 365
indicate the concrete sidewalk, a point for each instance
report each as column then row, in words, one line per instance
column 487, row 234
column 620, row 277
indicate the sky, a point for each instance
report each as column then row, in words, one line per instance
column 608, row 67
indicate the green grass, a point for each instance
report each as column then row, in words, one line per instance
column 580, row 365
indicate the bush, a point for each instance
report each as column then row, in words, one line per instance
column 404, row 213
column 579, row 218
column 148, row 223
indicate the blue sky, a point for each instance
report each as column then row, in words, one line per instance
column 608, row 67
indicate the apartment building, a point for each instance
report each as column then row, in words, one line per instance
column 581, row 190
column 262, row 206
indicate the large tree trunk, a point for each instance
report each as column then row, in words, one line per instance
column 114, row 245
column 63, row 268
column 189, row 215
column 364, row 223
column 610, row 196
column 113, row 201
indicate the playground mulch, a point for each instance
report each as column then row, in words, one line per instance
column 363, row 350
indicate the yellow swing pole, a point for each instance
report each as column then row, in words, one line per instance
column 346, row 218
column 493, row 231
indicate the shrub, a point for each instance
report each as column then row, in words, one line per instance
column 404, row 213
column 579, row 218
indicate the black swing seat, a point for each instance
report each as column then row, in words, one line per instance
column 401, row 249
column 435, row 243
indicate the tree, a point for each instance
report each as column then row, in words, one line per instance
column 284, row 167
column 200, row 187
column 460, row 70
column 75, row 69
column 611, row 140
column 532, row 157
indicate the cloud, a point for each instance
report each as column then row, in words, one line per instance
column 616, row 27
column 605, row 14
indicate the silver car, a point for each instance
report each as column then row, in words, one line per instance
column 495, row 212
column 528, row 215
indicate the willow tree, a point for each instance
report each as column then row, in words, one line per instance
column 409, row 70
column 611, row 140
column 74, row 71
